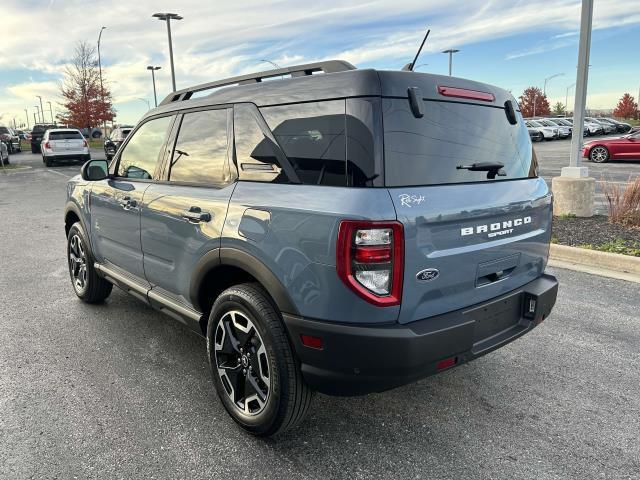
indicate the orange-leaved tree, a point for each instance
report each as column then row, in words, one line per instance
column 85, row 103
column 534, row 103
column 626, row 108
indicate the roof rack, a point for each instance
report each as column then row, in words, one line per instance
column 329, row 66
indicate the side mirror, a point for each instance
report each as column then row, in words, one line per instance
column 94, row 170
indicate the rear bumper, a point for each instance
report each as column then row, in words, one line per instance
column 356, row 360
column 68, row 156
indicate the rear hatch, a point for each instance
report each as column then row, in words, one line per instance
column 468, row 237
column 66, row 141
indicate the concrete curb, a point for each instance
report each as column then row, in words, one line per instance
column 606, row 264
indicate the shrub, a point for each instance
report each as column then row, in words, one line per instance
column 623, row 201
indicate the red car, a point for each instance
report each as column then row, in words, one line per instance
column 622, row 148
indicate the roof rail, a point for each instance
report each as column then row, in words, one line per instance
column 328, row 66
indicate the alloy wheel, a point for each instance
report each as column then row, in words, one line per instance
column 242, row 362
column 78, row 263
column 599, row 154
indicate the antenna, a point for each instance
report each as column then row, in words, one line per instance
column 409, row 66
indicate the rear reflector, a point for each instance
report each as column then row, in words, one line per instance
column 446, row 363
column 312, row 342
column 464, row 93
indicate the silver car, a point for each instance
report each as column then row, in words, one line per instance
column 63, row 144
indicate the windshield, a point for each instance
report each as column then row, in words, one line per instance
column 4, row 130
column 448, row 144
column 533, row 123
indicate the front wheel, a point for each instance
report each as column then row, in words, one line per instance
column 88, row 286
column 599, row 154
column 255, row 372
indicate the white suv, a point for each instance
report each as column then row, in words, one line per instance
column 64, row 144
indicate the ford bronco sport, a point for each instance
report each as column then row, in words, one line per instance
column 339, row 230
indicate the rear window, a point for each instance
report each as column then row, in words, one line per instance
column 428, row 150
column 65, row 135
column 4, row 130
column 41, row 128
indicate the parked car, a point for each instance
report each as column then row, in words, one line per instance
column 4, row 154
column 621, row 148
column 593, row 128
column 569, row 121
column 37, row 134
column 621, row 127
column 607, row 128
column 10, row 139
column 113, row 141
column 548, row 133
column 92, row 132
column 563, row 132
column 23, row 135
column 535, row 134
column 331, row 233
column 64, row 144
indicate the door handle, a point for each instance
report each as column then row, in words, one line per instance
column 127, row 202
column 196, row 215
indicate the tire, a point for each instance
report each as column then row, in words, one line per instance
column 87, row 285
column 34, row 149
column 108, row 157
column 599, row 154
column 246, row 335
column 48, row 162
column 96, row 135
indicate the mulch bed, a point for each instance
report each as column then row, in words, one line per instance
column 591, row 231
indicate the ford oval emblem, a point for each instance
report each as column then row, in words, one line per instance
column 427, row 274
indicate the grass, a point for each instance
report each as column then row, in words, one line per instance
column 11, row 166
column 618, row 245
column 565, row 216
column 96, row 142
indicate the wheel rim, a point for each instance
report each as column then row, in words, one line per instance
column 599, row 154
column 242, row 363
column 78, row 263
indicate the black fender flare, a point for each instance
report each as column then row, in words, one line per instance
column 247, row 262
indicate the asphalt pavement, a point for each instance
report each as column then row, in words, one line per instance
column 120, row 391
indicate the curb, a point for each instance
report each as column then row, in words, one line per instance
column 606, row 264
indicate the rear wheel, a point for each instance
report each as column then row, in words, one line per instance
column 255, row 372
column 48, row 161
column 88, row 286
column 599, row 154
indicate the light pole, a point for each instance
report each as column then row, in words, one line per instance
column 566, row 98
column 50, row 111
column 41, row 109
column 168, row 17
column 26, row 112
column 153, row 79
column 38, row 110
column 544, row 90
column 451, row 51
column 146, row 101
column 104, row 121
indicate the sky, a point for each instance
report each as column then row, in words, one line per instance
column 510, row 43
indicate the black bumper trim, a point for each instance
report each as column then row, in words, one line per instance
column 356, row 360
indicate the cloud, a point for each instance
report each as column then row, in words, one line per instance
column 218, row 39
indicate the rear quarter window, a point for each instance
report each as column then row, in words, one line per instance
column 428, row 150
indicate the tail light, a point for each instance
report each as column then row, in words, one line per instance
column 47, row 146
column 84, row 143
column 370, row 260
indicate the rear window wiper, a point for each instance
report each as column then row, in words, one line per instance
column 492, row 168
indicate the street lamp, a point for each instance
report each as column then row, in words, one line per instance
column 566, row 97
column 104, row 120
column 41, row 109
column 50, row 111
column 451, row 51
column 146, row 101
column 153, row 79
column 168, row 17
column 38, row 110
column 544, row 90
column 26, row 112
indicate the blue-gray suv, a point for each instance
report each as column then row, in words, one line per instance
column 336, row 230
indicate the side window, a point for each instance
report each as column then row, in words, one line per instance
column 139, row 157
column 312, row 136
column 255, row 154
column 200, row 153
